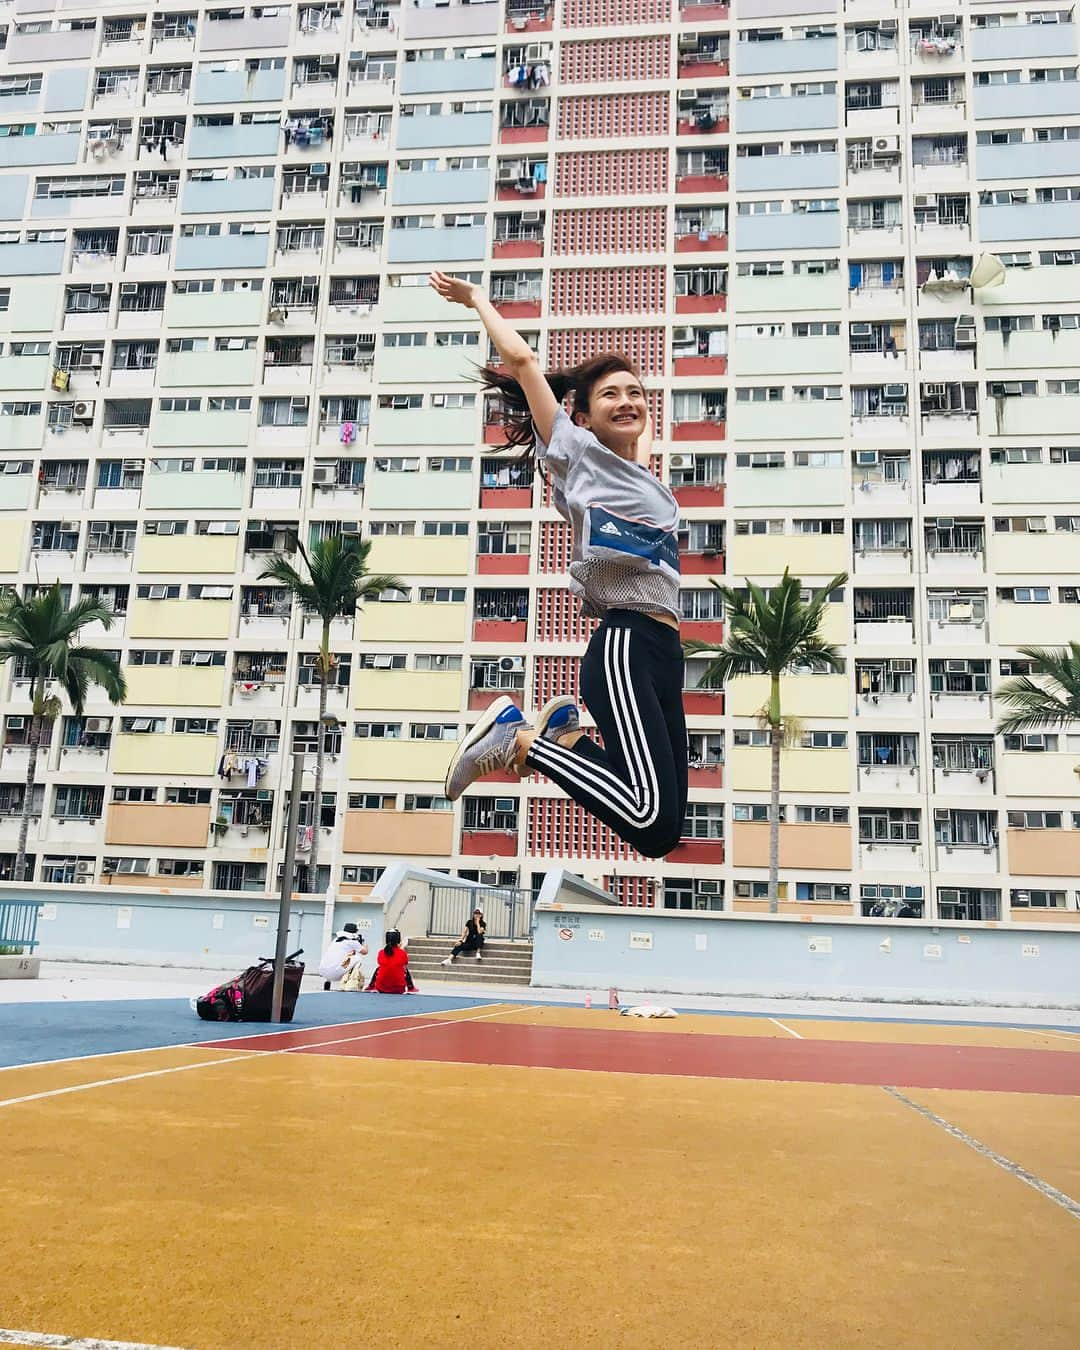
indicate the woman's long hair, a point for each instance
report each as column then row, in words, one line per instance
column 393, row 939
column 575, row 383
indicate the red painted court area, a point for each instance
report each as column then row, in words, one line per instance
column 879, row 1064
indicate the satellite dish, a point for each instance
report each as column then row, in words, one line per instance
column 988, row 271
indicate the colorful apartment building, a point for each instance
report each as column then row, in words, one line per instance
column 218, row 222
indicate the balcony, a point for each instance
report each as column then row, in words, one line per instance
column 529, row 16
column 698, row 852
column 489, row 843
column 701, row 241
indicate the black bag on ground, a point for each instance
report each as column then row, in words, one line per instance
column 249, row 998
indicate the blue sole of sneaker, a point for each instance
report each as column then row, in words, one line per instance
column 483, row 726
column 550, row 708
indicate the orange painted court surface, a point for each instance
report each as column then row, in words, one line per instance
column 507, row 1175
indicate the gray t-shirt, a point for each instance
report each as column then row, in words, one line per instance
column 624, row 522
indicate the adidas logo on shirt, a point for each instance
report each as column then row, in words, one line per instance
column 609, row 528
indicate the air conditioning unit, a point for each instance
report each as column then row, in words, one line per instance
column 934, row 390
column 535, row 51
column 894, row 393
column 941, row 813
column 924, row 200
column 951, row 20
column 964, row 335
column 681, row 336
column 84, row 867
column 945, row 522
column 865, row 458
column 507, row 173
column 687, row 98
column 902, row 665
column 687, row 41
column 83, row 410
column 885, row 147
column 861, row 329
column 16, row 724
column 318, row 170
column 99, row 288
column 350, row 527
column 323, row 475
column 96, row 724
column 264, row 728
column 129, row 288
column 531, row 217
column 511, row 663
column 681, row 461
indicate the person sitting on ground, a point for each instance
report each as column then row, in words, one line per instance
column 392, row 967
column 472, row 939
column 341, row 955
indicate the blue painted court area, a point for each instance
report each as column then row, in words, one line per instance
column 33, row 1033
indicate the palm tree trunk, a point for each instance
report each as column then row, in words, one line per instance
column 776, row 736
column 31, row 774
column 320, row 759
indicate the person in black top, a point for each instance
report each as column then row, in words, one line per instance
column 471, row 940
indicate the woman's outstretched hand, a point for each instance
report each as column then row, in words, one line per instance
column 455, row 289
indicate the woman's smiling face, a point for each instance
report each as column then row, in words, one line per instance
column 616, row 413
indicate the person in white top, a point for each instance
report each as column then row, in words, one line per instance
column 341, row 954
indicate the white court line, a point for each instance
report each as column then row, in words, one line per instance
column 9, row 1337
column 1044, row 1188
column 1064, row 1035
column 784, row 1027
column 235, row 1056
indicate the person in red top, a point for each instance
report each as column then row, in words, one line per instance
column 392, row 968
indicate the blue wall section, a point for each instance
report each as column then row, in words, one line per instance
column 65, row 89
column 870, row 959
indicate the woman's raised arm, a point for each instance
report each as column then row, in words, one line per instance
column 518, row 357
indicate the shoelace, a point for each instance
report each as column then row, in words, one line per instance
column 496, row 756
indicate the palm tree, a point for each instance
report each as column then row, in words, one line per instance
column 768, row 633
column 41, row 633
column 1053, row 703
column 334, row 582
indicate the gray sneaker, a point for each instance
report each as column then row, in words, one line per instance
column 557, row 717
column 488, row 747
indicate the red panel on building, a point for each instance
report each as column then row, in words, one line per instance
column 695, row 70
column 686, row 126
column 514, row 194
column 555, row 675
column 479, row 699
column 558, row 617
column 488, row 843
column 644, row 346
column 522, row 135
column 700, row 365
column 702, row 182
column 700, row 495
column 699, row 13
column 707, row 630
column 559, row 828
column 703, row 702
column 504, row 499
column 611, row 173
column 533, row 23
column 705, row 851
column 700, row 304
column 555, row 547
column 593, row 117
column 711, row 777
column 503, row 564
column 613, row 13
column 610, row 229
column 692, row 243
column 634, row 892
column 623, row 60
column 702, row 565
column 499, row 630
column 699, row 431
column 609, row 290
column 518, row 248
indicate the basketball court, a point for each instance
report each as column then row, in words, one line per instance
column 451, row 1171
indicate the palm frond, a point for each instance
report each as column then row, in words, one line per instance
column 1049, row 696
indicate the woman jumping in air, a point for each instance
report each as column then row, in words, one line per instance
column 625, row 568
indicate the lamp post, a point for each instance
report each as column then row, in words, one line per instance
column 285, row 895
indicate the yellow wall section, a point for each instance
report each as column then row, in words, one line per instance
column 826, row 846
column 419, row 690
column 411, row 761
column 399, row 832
column 800, row 770
column 191, row 686
column 164, row 753
column 11, row 545
column 801, row 695
column 1032, row 552
column 766, row 555
column 1044, row 853
column 187, row 553
column 1034, row 625
column 411, row 623
column 1039, row 775
column 181, row 619
column 420, row 557
column 151, row 823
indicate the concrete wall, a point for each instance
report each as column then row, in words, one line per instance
column 866, row 959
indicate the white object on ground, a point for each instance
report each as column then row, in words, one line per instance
column 647, row 1010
